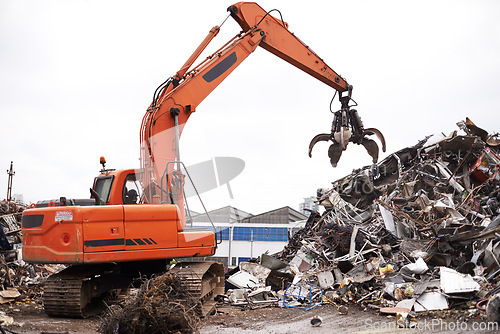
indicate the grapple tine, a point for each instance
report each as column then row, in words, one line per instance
column 317, row 138
column 334, row 152
column 372, row 148
column 380, row 136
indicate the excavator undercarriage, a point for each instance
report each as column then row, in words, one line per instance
column 80, row 291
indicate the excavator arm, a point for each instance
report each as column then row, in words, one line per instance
column 178, row 97
column 284, row 44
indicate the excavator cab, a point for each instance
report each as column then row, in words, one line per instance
column 114, row 187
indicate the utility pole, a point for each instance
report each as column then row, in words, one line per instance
column 9, row 186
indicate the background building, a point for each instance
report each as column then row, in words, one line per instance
column 308, row 205
column 245, row 236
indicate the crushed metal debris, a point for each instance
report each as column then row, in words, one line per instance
column 20, row 282
column 417, row 232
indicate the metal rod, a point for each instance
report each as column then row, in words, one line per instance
column 9, row 185
column 177, row 146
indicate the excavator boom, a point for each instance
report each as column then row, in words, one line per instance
column 176, row 99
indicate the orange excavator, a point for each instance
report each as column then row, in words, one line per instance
column 135, row 220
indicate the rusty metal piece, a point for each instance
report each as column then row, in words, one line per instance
column 475, row 130
column 393, row 310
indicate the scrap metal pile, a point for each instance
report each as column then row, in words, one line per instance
column 19, row 281
column 419, row 231
column 10, row 225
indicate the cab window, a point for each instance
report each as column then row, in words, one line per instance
column 132, row 190
column 103, row 187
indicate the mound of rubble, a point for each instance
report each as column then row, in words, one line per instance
column 161, row 305
column 10, row 227
column 417, row 232
column 20, row 282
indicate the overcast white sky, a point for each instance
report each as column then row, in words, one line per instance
column 77, row 76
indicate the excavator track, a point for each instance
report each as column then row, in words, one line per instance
column 64, row 297
column 79, row 291
column 204, row 281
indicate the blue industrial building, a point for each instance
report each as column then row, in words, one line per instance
column 245, row 236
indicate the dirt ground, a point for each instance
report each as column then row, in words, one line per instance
column 290, row 320
column 30, row 318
